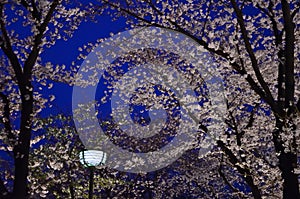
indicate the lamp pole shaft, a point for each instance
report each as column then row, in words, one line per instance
column 91, row 183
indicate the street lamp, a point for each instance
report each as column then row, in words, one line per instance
column 92, row 159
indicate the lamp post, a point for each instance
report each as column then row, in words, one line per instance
column 91, row 159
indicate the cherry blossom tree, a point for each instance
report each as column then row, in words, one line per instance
column 27, row 28
column 255, row 44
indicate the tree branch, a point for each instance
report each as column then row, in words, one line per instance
column 246, row 174
column 265, row 96
column 224, row 177
column 278, row 42
column 34, row 11
column 269, row 12
column 249, row 50
column 256, row 153
column 31, row 60
column 7, row 48
column 296, row 10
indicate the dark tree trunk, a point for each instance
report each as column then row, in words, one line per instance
column 287, row 160
column 21, row 150
column 287, row 163
column 23, row 76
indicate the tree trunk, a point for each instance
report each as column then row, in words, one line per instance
column 287, row 163
column 21, row 150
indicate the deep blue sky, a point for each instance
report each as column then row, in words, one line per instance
column 64, row 52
